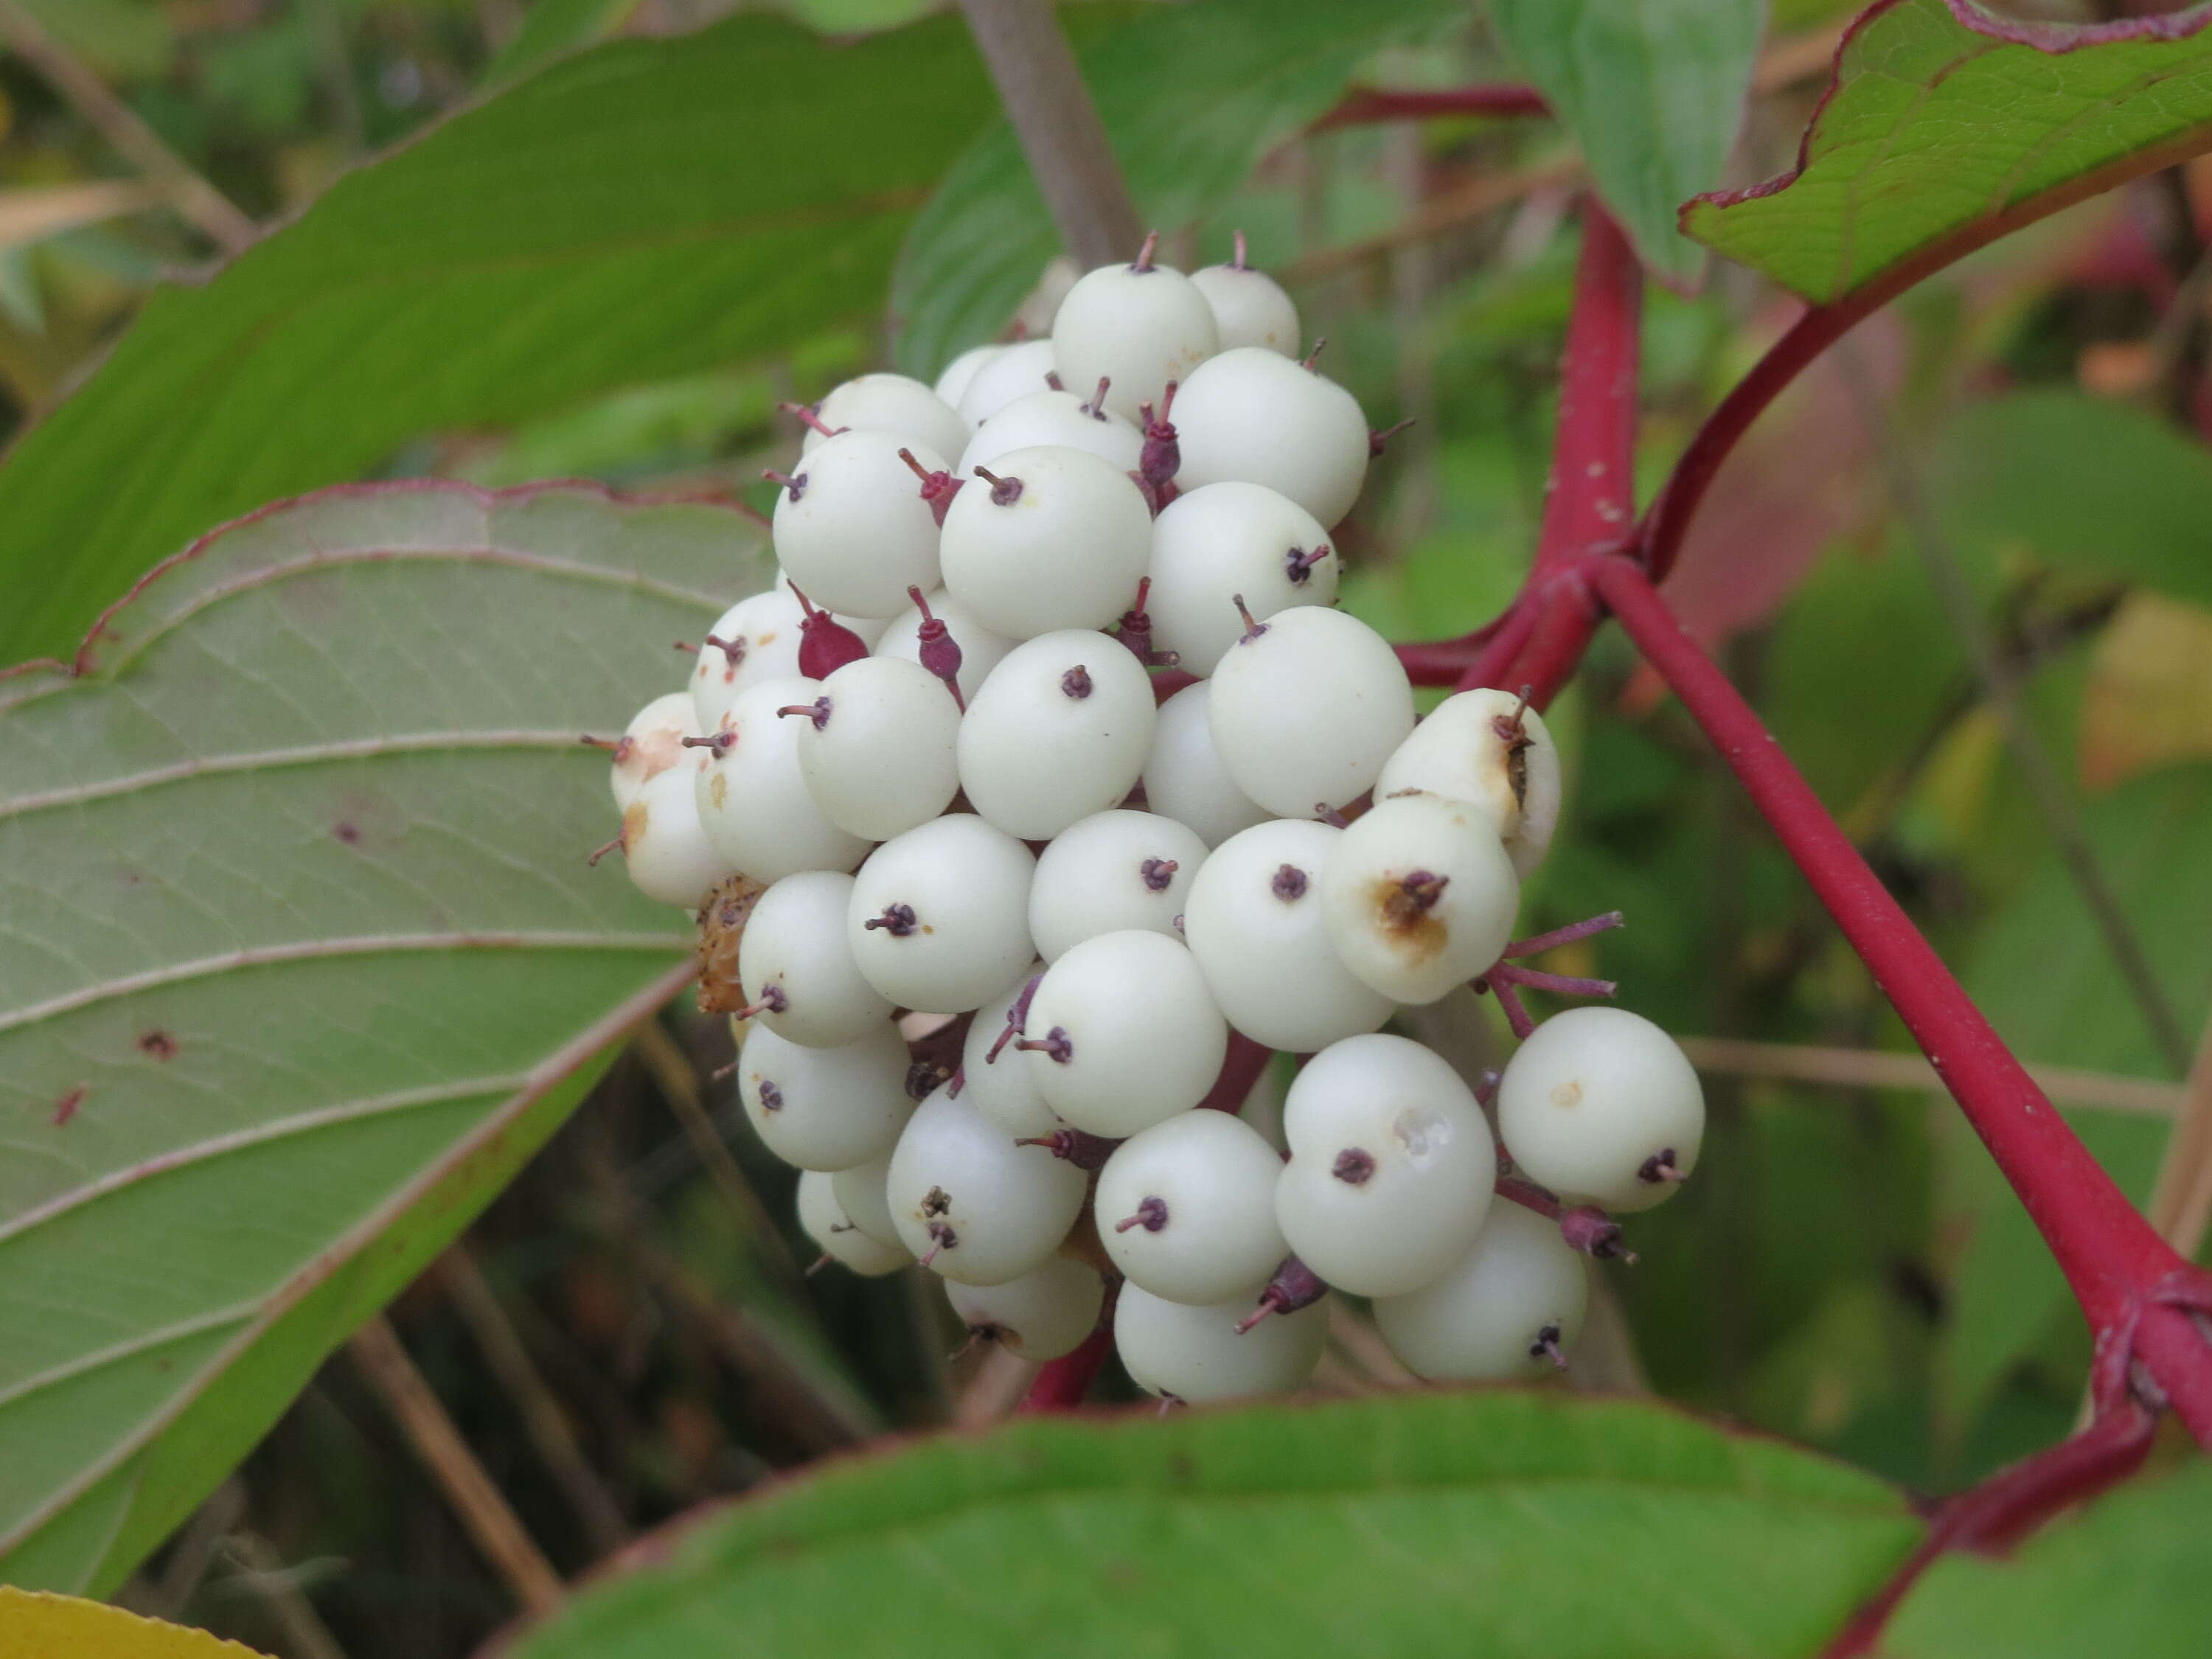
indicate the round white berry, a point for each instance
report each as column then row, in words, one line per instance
column 1184, row 777
column 1043, row 1314
column 1003, row 1084
column 1123, row 1034
column 1059, row 419
column 906, row 408
column 1137, row 326
column 652, row 744
column 837, row 1235
column 939, row 916
column 670, row 855
column 1600, row 1105
column 1197, row 1354
column 1305, row 709
column 1488, row 748
column 1510, row 1307
column 1391, row 1166
column 970, row 1203
column 959, row 373
column 796, row 964
column 1253, row 922
column 1055, row 537
column 851, row 528
column 1186, row 1209
column 1418, row 896
column 1263, row 1106
column 753, row 798
column 981, row 650
column 861, row 1192
column 756, row 640
column 1254, row 414
column 1059, row 731
column 1015, row 371
column 1223, row 542
column 876, row 750
column 1109, row 872
column 825, row 1108
column 1249, row 308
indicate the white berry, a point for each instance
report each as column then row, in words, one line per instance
column 825, row 1108
column 1005, row 1087
column 1057, row 418
column 939, row 916
column 1254, row 414
column 1488, row 748
column 980, row 649
column 1138, row 327
column 861, row 1194
column 652, row 744
column 1508, row 1309
column 1112, row 871
column 797, row 965
column 1059, row 731
column 1197, row 1354
column 877, row 752
column 970, row 1203
column 1123, row 1034
column 1055, row 537
column 670, row 857
column 1249, row 308
column 1222, row 541
column 851, row 527
column 753, row 798
column 1418, row 896
column 892, row 403
column 961, row 372
column 1044, row 1314
column 1015, row 371
column 1306, row 707
column 1600, row 1105
column 1184, row 776
column 1186, row 1208
column 837, row 1235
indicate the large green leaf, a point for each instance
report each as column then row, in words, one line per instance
column 2093, row 485
column 1476, row 1524
column 1191, row 96
column 645, row 209
column 1948, row 126
column 2041, row 973
column 1655, row 89
column 2127, row 1578
column 303, row 958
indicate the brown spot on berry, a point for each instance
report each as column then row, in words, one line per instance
column 1405, row 913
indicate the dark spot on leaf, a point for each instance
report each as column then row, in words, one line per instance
column 158, row 1045
column 65, row 1107
column 347, row 832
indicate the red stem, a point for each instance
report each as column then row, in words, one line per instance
column 1239, row 1071
column 1589, row 497
column 1061, row 1384
column 1441, row 662
column 2110, row 1255
column 1364, row 105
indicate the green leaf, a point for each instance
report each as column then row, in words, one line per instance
column 2040, row 971
column 303, row 955
column 2126, row 1577
column 1947, row 127
column 644, row 210
column 1476, row 1524
column 1654, row 89
column 552, row 28
column 2085, row 483
column 1192, row 97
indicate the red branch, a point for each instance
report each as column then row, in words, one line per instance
column 1364, row 105
column 1061, row 1384
column 2128, row 1282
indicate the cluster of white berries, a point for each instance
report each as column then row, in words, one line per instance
column 1046, row 792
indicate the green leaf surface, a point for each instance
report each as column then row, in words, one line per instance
column 1192, row 97
column 2101, row 486
column 2126, row 1578
column 646, row 210
column 1475, row 1524
column 1655, row 91
column 1948, row 126
column 552, row 28
column 302, row 955
column 2040, row 971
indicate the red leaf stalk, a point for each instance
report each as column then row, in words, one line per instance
column 1365, row 106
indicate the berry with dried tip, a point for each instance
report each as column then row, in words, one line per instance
column 1015, row 371
column 1306, row 707
column 650, row 744
column 1391, row 1166
column 1184, row 777
column 1109, row 872
column 1198, row 1353
column 1418, row 896
column 938, row 919
column 1215, row 544
column 837, row 1235
column 961, row 372
column 1510, row 1307
column 876, row 747
column 1255, row 923
column 670, row 856
column 1043, row 1314
column 1489, row 748
column 1122, row 1034
column 1249, row 307
column 1601, row 1105
column 752, row 797
column 1051, row 538
column 1186, row 1208
column 1259, row 416
column 796, row 960
column 1138, row 325
column 1059, row 731
column 995, row 1073
column 850, row 527
column 824, row 1109
column 892, row 403
column 972, row 1205
column 1058, row 419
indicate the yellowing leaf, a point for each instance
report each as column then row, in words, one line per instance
column 2148, row 702
column 39, row 1626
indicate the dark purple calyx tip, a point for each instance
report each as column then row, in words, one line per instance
column 1152, row 1215
column 1078, row 1146
column 771, row 1098
column 1299, row 564
column 938, row 488
column 1289, row 884
column 1055, row 1045
column 1161, row 459
column 1295, row 1286
column 817, row 712
column 1076, row 683
column 1158, row 874
column 794, row 485
column 897, row 920
column 1659, row 1167
column 1006, row 491
column 1591, row 1231
column 1354, row 1166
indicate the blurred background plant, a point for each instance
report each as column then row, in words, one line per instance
column 1960, row 570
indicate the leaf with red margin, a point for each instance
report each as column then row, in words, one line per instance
column 300, row 956
column 1946, row 127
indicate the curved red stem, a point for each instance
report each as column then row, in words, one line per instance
column 1364, row 105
